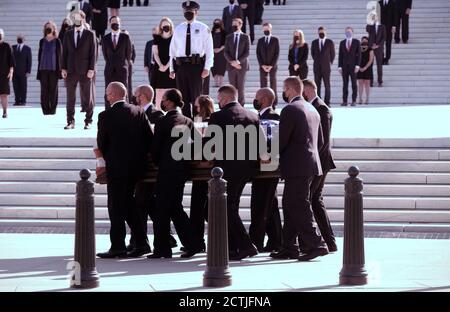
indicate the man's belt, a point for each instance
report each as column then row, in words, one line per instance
column 195, row 59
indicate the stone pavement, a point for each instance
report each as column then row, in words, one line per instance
column 37, row 262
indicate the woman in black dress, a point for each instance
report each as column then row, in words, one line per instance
column 114, row 6
column 219, row 67
column 49, row 68
column 365, row 74
column 65, row 27
column 6, row 71
column 161, row 71
column 100, row 17
column 298, row 55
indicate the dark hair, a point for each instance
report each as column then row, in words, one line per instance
column 228, row 89
column 309, row 83
column 52, row 26
column 321, row 28
column 206, row 104
column 174, row 95
column 364, row 37
column 220, row 22
column 114, row 16
column 239, row 20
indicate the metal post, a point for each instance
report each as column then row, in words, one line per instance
column 353, row 271
column 217, row 272
column 85, row 233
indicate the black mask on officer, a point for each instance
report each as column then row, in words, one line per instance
column 256, row 105
column 134, row 101
column 19, row 40
column 189, row 15
column 115, row 26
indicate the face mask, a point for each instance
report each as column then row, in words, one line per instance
column 256, row 105
column 166, row 28
column 77, row 23
column 296, row 38
column 364, row 43
column 115, row 26
column 134, row 100
column 19, row 40
column 266, row 32
column 231, row 1
column 321, row 35
column 163, row 105
column 285, row 97
column 48, row 31
column 348, row 34
column 234, row 28
column 189, row 16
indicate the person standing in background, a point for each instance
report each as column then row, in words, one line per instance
column 65, row 27
column 22, row 70
column 259, row 12
column 6, row 71
column 248, row 9
column 99, row 17
column 130, row 66
column 231, row 12
column 86, row 7
column 49, row 68
column 365, row 74
column 220, row 63
column 403, row 12
column 349, row 60
column 377, row 38
column 298, row 55
column 149, row 61
column 114, row 7
column 389, row 20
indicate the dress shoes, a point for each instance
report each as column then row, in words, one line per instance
column 111, row 254
column 87, row 126
column 284, row 254
column 5, row 115
column 270, row 249
column 190, row 253
column 332, row 247
column 312, row 254
column 353, row 103
column 173, row 242
column 159, row 255
column 139, row 252
column 380, row 85
column 344, row 104
column 69, row 126
column 241, row 254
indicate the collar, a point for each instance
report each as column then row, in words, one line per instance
column 314, row 99
column 115, row 33
column 112, row 105
column 268, row 37
column 296, row 98
column 261, row 112
column 80, row 30
column 146, row 106
column 233, row 103
column 237, row 32
column 172, row 112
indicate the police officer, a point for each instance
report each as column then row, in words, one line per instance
column 191, row 49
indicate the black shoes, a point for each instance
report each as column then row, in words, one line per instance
column 111, row 254
column 87, row 126
column 241, row 254
column 139, row 252
column 269, row 248
column 5, row 115
column 190, row 253
column 69, row 126
column 331, row 244
column 312, row 254
column 285, row 254
column 160, row 254
column 344, row 104
column 172, row 242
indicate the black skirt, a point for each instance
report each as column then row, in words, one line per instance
column 4, row 86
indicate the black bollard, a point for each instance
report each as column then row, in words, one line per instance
column 85, row 234
column 353, row 271
column 217, row 272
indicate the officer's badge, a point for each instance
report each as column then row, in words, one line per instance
column 197, row 31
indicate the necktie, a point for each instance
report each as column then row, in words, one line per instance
column 349, row 45
column 267, row 40
column 78, row 37
column 231, row 10
column 188, row 40
column 386, row 2
column 114, row 41
column 321, row 45
column 236, row 43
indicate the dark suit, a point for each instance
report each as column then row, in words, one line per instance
column 117, row 60
column 87, row 9
column 389, row 20
column 227, row 18
column 237, row 76
column 249, row 14
column 259, row 11
column 323, row 59
column 124, row 138
column 130, row 70
column 236, row 172
column 268, row 55
column 172, row 176
column 300, row 141
column 21, row 69
column 327, row 163
column 377, row 37
column 148, row 59
column 77, row 60
column 402, row 20
column 348, row 60
column 265, row 214
column 301, row 59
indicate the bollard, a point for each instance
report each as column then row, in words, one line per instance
column 85, row 233
column 217, row 273
column 353, row 271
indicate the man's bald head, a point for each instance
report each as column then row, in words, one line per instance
column 265, row 97
column 144, row 94
column 116, row 91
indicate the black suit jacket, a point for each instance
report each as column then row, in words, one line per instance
column 403, row 5
column 124, row 137
column 80, row 59
column 148, row 57
column 58, row 57
column 375, row 37
column 227, row 18
column 154, row 114
column 243, row 53
column 326, row 121
column 117, row 60
column 234, row 114
column 348, row 60
column 301, row 139
column 87, row 9
column 302, row 56
column 325, row 57
column 270, row 114
column 388, row 14
column 268, row 54
column 163, row 141
column 23, row 60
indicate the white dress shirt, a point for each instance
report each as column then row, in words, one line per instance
column 146, row 106
column 322, row 43
column 261, row 112
column 237, row 36
column 117, row 34
column 201, row 43
column 75, row 34
column 122, row 100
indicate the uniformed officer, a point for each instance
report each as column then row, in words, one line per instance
column 191, row 50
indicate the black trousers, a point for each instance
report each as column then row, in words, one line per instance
column 379, row 57
column 236, row 77
column 319, row 210
column 205, row 85
column 145, row 202
column 169, row 206
column 86, row 94
column 49, row 91
column 199, row 209
column 324, row 75
column 298, row 215
column 273, row 225
column 262, row 214
column 115, row 76
column 238, row 238
column 130, row 81
column 20, row 88
column 388, row 42
column 349, row 74
column 249, row 14
column 271, row 77
column 122, row 207
column 259, row 11
column 189, row 82
column 403, row 22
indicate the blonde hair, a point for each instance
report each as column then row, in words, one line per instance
column 52, row 25
column 168, row 20
column 302, row 38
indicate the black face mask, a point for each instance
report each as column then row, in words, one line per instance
column 77, row 23
column 321, row 35
column 19, row 40
column 285, row 98
column 266, row 32
column 256, row 105
column 166, row 28
column 296, row 38
column 115, row 26
column 134, row 101
column 189, row 16
column 48, row 31
column 231, row 1
column 234, row 28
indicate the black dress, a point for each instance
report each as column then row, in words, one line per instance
column 299, row 57
column 100, row 20
column 161, row 80
column 114, row 4
column 220, row 63
column 6, row 62
column 368, row 73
